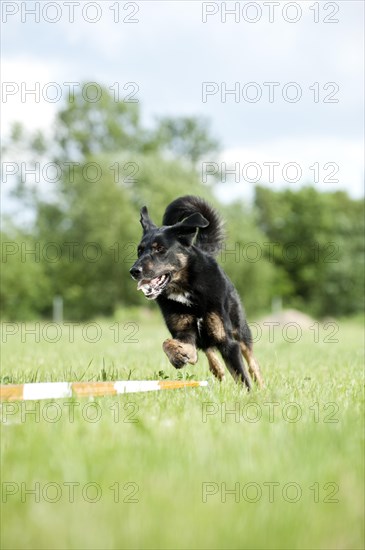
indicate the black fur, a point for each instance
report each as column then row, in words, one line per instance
column 199, row 303
column 211, row 239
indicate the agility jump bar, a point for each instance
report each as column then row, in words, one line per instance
column 59, row 390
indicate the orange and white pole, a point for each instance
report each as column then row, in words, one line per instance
column 59, row 390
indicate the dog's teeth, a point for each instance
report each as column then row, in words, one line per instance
column 149, row 285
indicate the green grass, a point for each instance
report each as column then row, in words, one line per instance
column 173, row 463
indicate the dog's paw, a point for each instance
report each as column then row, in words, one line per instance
column 179, row 353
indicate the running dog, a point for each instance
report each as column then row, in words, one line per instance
column 176, row 266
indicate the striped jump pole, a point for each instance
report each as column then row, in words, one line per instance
column 59, row 390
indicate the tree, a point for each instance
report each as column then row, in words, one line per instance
column 85, row 128
column 187, row 138
column 25, row 288
column 317, row 239
column 242, row 257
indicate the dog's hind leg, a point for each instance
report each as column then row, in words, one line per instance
column 231, row 354
column 253, row 365
column 215, row 366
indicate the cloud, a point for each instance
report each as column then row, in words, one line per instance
column 20, row 75
column 171, row 52
column 329, row 164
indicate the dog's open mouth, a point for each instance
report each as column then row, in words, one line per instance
column 151, row 288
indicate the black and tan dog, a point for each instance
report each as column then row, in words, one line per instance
column 201, row 307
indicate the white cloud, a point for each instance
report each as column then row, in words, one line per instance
column 21, row 74
column 308, row 159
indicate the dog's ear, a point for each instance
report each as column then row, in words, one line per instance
column 146, row 221
column 193, row 222
column 185, row 230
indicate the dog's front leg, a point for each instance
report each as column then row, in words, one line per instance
column 179, row 353
column 181, row 348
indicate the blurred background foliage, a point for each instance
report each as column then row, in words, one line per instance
column 303, row 247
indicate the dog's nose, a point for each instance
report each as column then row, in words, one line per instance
column 135, row 271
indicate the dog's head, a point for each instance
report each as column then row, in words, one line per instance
column 163, row 253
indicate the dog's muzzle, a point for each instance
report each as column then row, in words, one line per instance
column 152, row 287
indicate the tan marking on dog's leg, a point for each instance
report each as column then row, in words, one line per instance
column 180, row 322
column 215, row 327
column 215, row 366
column 180, row 353
column 253, row 365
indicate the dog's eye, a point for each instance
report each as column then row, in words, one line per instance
column 160, row 249
column 139, row 251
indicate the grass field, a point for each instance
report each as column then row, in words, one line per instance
column 208, row 468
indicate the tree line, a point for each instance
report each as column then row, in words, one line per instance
column 78, row 225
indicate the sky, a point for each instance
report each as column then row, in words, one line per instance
column 280, row 82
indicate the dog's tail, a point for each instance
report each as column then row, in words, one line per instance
column 210, row 238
